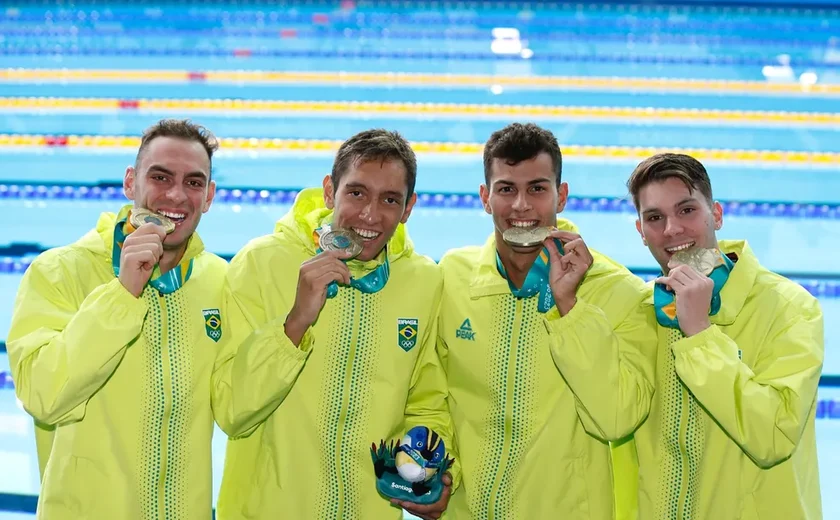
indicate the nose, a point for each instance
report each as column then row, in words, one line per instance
column 673, row 228
column 521, row 203
column 370, row 213
column 176, row 194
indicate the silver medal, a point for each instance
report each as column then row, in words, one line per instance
column 526, row 237
column 341, row 239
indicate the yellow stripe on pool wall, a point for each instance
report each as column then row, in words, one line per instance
column 251, row 145
column 245, row 77
column 443, row 110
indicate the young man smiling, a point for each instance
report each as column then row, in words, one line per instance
column 731, row 429
column 332, row 354
column 111, row 344
column 549, row 352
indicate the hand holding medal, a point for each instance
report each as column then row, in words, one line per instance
column 142, row 248
column 566, row 268
column 688, row 278
column 316, row 274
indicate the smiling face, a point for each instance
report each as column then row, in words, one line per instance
column 371, row 198
column 172, row 177
column 672, row 217
column 523, row 195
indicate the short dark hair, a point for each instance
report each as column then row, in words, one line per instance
column 517, row 142
column 375, row 145
column 179, row 129
column 670, row 165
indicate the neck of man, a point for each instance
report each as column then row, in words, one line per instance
column 171, row 258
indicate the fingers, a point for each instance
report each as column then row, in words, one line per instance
column 684, row 275
column 142, row 239
column 154, row 247
column 338, row 253
column 324, row 278
column 149, row 229
column 553, row 253
column 145, row 259
column 151, row 239
column 326, row 257
column 431, row 511
column 679, row 278
column 663, row 280
column 575, row 246
column 326, row 270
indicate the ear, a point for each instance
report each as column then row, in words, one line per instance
column 639, row 229
column 329, row 192
column 484, row 195
column 562, row 196
column 128, row 182
column 717, row 214
column 408, row 207
column 211, row 194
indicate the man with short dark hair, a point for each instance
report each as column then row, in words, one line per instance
column 333, row 353
column 731, row 428
column 113, row 340
column 547, row 345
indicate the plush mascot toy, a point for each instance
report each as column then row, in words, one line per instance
column 412, row 470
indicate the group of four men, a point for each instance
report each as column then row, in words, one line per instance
column 562, row 384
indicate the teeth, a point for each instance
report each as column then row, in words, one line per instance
column 176, row 216
column 367, row 234
column 679, row 248
column 524, row 223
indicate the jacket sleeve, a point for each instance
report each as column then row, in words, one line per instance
column 609, row 369
column 258, row 364
column 427, row 403
column 764, row 409
column 62, row 351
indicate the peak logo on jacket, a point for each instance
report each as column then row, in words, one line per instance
column 213, row 323
column 465, row 331
column 407, row 331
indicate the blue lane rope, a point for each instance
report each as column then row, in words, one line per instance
column 411, row 54
column 46, row 192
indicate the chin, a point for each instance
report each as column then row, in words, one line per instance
column 175, row 240
column 370, row 251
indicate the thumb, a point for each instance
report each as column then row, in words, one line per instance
column 554, row 255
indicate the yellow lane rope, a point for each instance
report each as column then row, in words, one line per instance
column 253, row 145
column 443, row 110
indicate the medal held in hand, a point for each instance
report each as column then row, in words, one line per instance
column 526, row 237
column 700, row 259
column 334, row 239
column 413, row 469
column 140, row 216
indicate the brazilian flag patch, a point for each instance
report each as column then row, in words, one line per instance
column 213, row 323
column 407, row 331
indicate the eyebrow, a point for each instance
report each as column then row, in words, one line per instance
column 530, row 183
column 677, row 205
column 162, row 169
column 358, row 185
